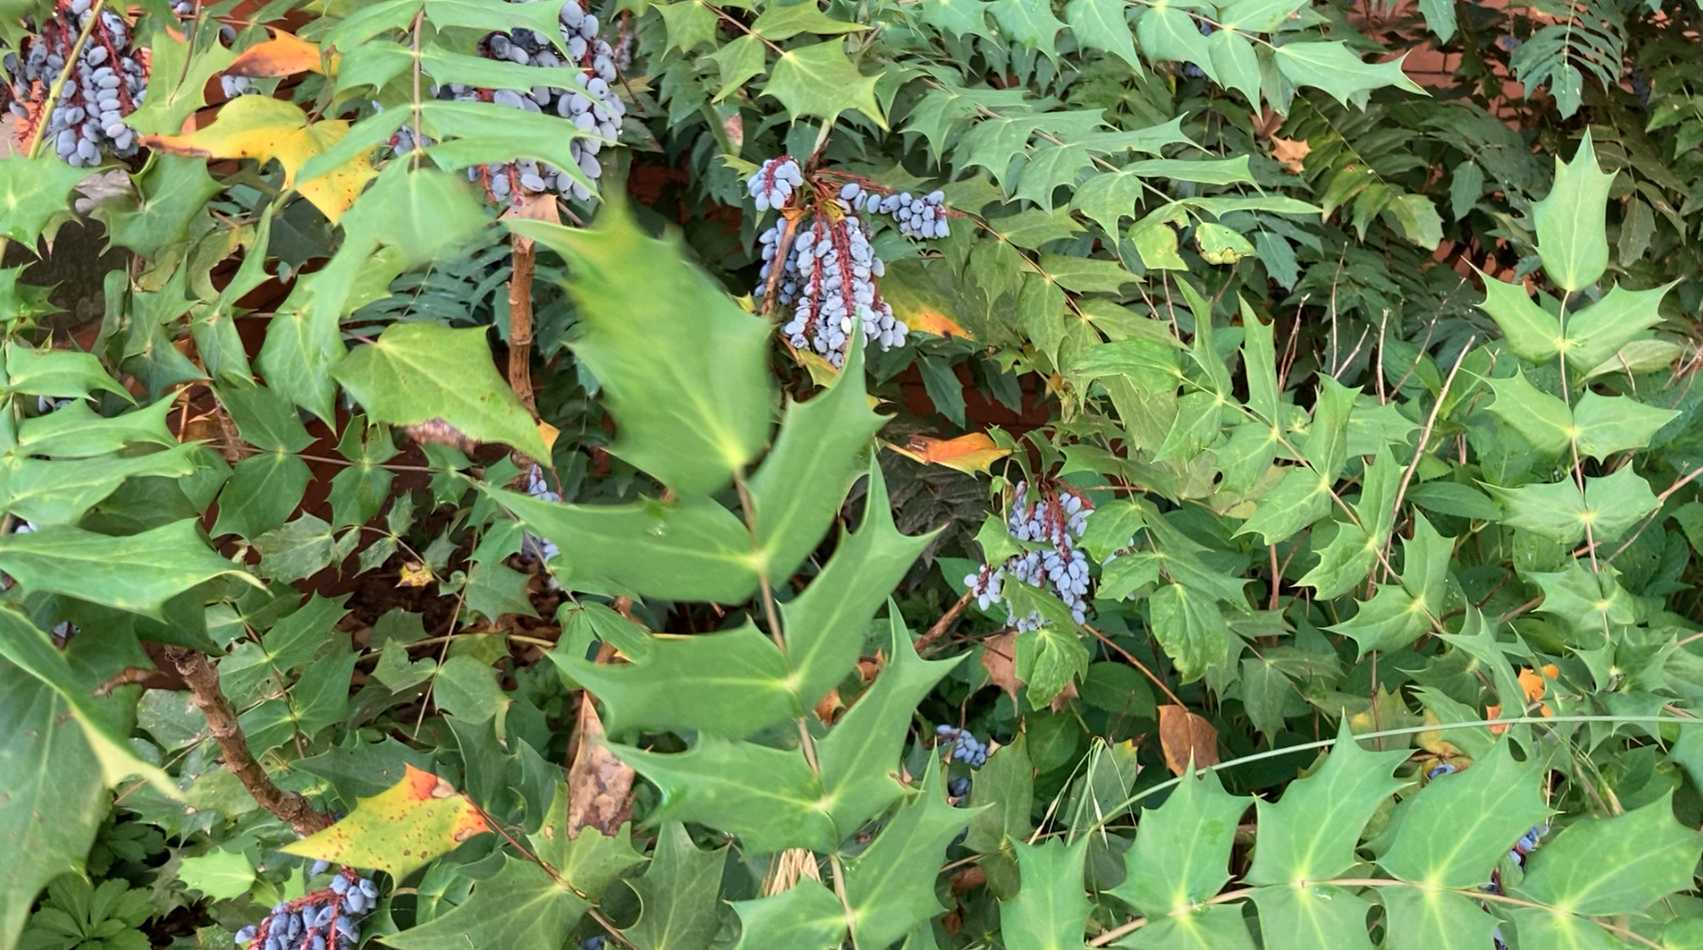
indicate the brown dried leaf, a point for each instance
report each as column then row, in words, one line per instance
column 999, row 658
column 1184, row 735
column 828, row 708
column 970, row 454
column 1290, row 152
column 600, row 786
column 1062, row 701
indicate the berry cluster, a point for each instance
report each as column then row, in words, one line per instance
column 966, row 748
column 106, row 83
column 828, row 269
column 320, row 920
column 596, row 110
column 1056, row 520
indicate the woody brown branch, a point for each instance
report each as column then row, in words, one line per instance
column 520, row 322
column 203, row 681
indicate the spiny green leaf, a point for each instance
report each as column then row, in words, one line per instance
column 785, row 22
column 1167, row 32
column 519, row 906
column 138, row 573
column 1610, row 424
column 1312, row 917
column 1619, row 865
column 1300, row 499
column 678, row 893
column 1422, row 918
column 75, row 431
column 32, row 190
column 1597, row 332
column 1212, row 927
column 418, row 372
column 1051, row 911
column 1103, row 25
column 857, row 758
column 1544, row 420
column 1571, row 221
column 1309, row 834
column 890, row 886
column 61, row 492
column 681, row 366
column 1190, row 627
column 821, row 81
column 1530, row 330
column 1456, row 828
column 1338, row 71
column 261, row 494
column 768, row 797
column 1181, row 855
column 1028, row 23
column 171, row 194
column 807, row 917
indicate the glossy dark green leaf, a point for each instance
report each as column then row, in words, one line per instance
column 806, row 917
column 518, row 906
column 678, row 894
column 138, row 573
column 890, row 885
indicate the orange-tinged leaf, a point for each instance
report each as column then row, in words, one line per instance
column 1495, row 712
column 1184, row 735
column 1532, row 683
column 926, row 319
column 267, row 129
column 415, row 575
column 399, row 830
column 999, row 658
column 1290, row 152
column 283, row 55
column 970, row 454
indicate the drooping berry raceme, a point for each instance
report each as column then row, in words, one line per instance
column 1056, row 520
column 965, row 748
column 830, row 281
column 326, row 919
column 106, row 83
column 595, row 109
column 774, row 184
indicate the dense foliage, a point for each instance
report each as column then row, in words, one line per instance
column 923, row 473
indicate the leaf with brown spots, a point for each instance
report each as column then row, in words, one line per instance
column 264, row 129
column 1184, row 735
column 970, row 454
column 999, row 658
column 399, row 830
column 600, row 786
column 283, row 55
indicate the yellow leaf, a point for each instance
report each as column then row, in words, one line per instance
column 399, row 830
column 930, row 320
column 266, row 129
column 415, row 575
column 969, row 454
column 1432, row 740
column 283, row 55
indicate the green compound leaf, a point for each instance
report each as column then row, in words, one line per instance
column 1397, row 616
column 1530, row 331
column 1458, row 826
column 687, row 549
column 1256, row 16
column 785, row 22
column 138, row 573
column 768, row 797
column 1213, row 927
column 800, row 486
column 54, row 800
column 729, row 683
column 890, row 886
column 827, row 624
column 1166, row 32
column 681, row 366
column 1182, row 851
column 65, row 374
column 822, row 81
column 417, row 372
column 1312, row 917
column 519, row 906
column 1618, row 865
column 1051, row 911
column 1421, row 918
column 1611, row 504
column 1571, row 221
column 678, row 893
column 1309, row 834
column 75, row 431
column 1300, row 499
column 858, row 756
column 807, row 917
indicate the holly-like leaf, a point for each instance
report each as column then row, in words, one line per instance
column 1611, row 504
column 768, row 797
column 1452, row 832
column 1312, row 916
column 1212, row 927
column 1051, row 911
column 1571, row 221
column 264, row 128
column 1530, row 330
column 400, row 829
column 1103, row 25
column 172, row 195
column 678, row 894
column 1191, row 628
column 138, row 573
column 1338, row 71
column 1423, row 918
column 806, row 917
column 75, row 431
column 220, row 875
column 1544, row 420
column 1396, row 616
column 32, row 190
column 1610, row 424
column 1167, row 32
column 785, row 22
column 519, row 906
column 890, row 886
column 1028, row 23
column 54, row 799
column 1181, row 856
column 1309, row 834
column 1622, row 316
column 416, row 372
column 821, row 81
column 681, row 366
column 1619, row 865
